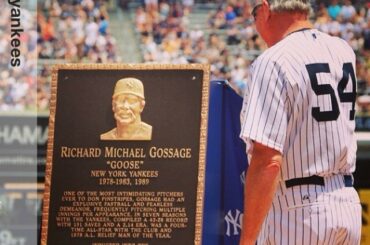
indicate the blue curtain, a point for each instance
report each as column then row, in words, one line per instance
column 225, row 168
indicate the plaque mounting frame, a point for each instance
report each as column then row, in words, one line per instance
column 135, row 67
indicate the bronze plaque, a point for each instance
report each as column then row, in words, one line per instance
column 126, row 155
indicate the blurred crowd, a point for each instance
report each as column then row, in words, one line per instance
column 18, row 85
column 75, row 32
column 63, row 31
column 226, row 38
column 71, row 31
column 229, row 40
column 168, row 36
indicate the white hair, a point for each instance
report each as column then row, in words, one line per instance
column 291, row 5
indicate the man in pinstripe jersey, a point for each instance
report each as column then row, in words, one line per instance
column 298, row 124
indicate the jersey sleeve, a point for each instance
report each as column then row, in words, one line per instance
column 264, row 115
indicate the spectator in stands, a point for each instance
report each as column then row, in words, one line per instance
column 334, row 9
column 151, row 5
column 47, row 29
column 230, row 16
column 164, row 11
column 103, row 25
column 188, row 4
column 92, row 33
column 217, row 19
column 233, row 36
column 348, row 11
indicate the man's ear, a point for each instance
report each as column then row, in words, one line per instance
column 142, row 104
column 265, row 10
column 113, row 106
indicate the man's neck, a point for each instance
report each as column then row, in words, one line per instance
column 127, row 129
column 282, row 24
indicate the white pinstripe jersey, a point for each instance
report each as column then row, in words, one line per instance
column 300, row 100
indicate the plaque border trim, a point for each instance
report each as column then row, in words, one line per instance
column 202, row 137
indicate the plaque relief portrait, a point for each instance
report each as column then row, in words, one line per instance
column 128, row 102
